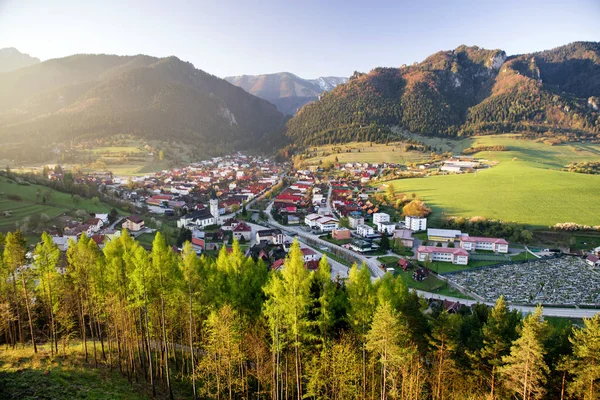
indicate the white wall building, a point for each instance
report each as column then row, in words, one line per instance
column 445, row 254
column 471, row 243
column 387, row 228
column 380, row 217
column 365, row 230
column 415, row 223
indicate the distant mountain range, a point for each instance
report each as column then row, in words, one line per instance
column 92, row 96
column 462, row 92
column 11, row 59
column 287, row 91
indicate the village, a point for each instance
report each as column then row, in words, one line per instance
column 347, row 216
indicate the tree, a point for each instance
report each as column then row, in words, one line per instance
column 390, row 192
column 416, row 208
column 161, row 155
column 498, row 333
column 185, row 235
column 524, row 370
column 344, row 222
column 384, row 244
column 46, row 258
column 77, row 199
column 586, row 352
column 14, row 259
column 362, row 298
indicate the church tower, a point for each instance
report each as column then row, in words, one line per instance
column 214, row 206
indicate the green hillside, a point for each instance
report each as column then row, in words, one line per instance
column 527, row 185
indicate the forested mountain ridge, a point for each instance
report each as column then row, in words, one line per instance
column 462, row 92
column 153, row 98
column 287, row 91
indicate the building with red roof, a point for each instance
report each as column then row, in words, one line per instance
column 445, row 254
column 472, row 243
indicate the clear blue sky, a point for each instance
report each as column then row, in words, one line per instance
column 306, row 37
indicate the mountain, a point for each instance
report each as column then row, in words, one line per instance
column 462, row 92
column 93, row 96
column 11, row 59
column 287, row 91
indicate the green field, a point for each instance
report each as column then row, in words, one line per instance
column 31, row 204
column 369, row 152
column 526, row 186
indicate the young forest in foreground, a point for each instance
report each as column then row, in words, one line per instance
column 178, row 325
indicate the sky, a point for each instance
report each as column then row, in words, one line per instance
column 305, row 37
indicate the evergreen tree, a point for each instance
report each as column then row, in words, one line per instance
column 586, row 352
column 524, row 370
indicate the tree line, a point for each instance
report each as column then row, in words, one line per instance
column 229, row 328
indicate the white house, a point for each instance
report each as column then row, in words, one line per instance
column 472, row 243
column 242, row 230
column 415, row 223
column 310, row 255
column 311, row 220
column 273, row 236
column 380, row 217
column 446, row 254
column 196, row 219
column 102, row 217
column 593, row 261
column 364, row 230
column 317, row 198
column 327, row 224
column 387, row 228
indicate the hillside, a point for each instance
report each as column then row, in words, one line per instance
column 90, row 96
column 11, row 59
column 462, row 92
column 287, row 91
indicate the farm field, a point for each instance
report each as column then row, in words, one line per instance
column 525, row 187
column 372, row 153
column 30, row 203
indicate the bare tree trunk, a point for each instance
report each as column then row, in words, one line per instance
column 28, row 310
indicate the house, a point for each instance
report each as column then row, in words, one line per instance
column 355, row 219
column 472, row 243
column 102, row 217
column 340, row 234
column 293, row 220
column 404, row 264
column 415, row 223
column 593, row 261
column 95, row 224
column 365, row 230
column 446, row 254
column 405, row 236
column 198, row 240
column 311, row 220
column 443, row 235
column 310, row 255
column 327, row 223
column 197, row 219
column 380, row 217
column 360, row 246
column 134, row 223
column 386, row 228
column 242, row 230
column 273, row 236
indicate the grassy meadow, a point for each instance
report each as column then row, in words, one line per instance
column 369, row 152
column 30, row 203
column 527, row 185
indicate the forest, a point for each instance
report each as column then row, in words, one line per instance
column 228, row 328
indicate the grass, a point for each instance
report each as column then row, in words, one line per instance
column 25, row 376
column 31, row 204
column 369, row 152
column 525, row 187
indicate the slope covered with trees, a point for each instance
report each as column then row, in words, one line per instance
column 462, row 92
column 197, row 327
column 103, row 95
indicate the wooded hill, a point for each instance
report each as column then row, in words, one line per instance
column 104, row 95
column 462, row 92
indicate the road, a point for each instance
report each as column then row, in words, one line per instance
column 377, row 272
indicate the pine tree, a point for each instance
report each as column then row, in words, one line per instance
column 524, row 370
column 586, row 352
